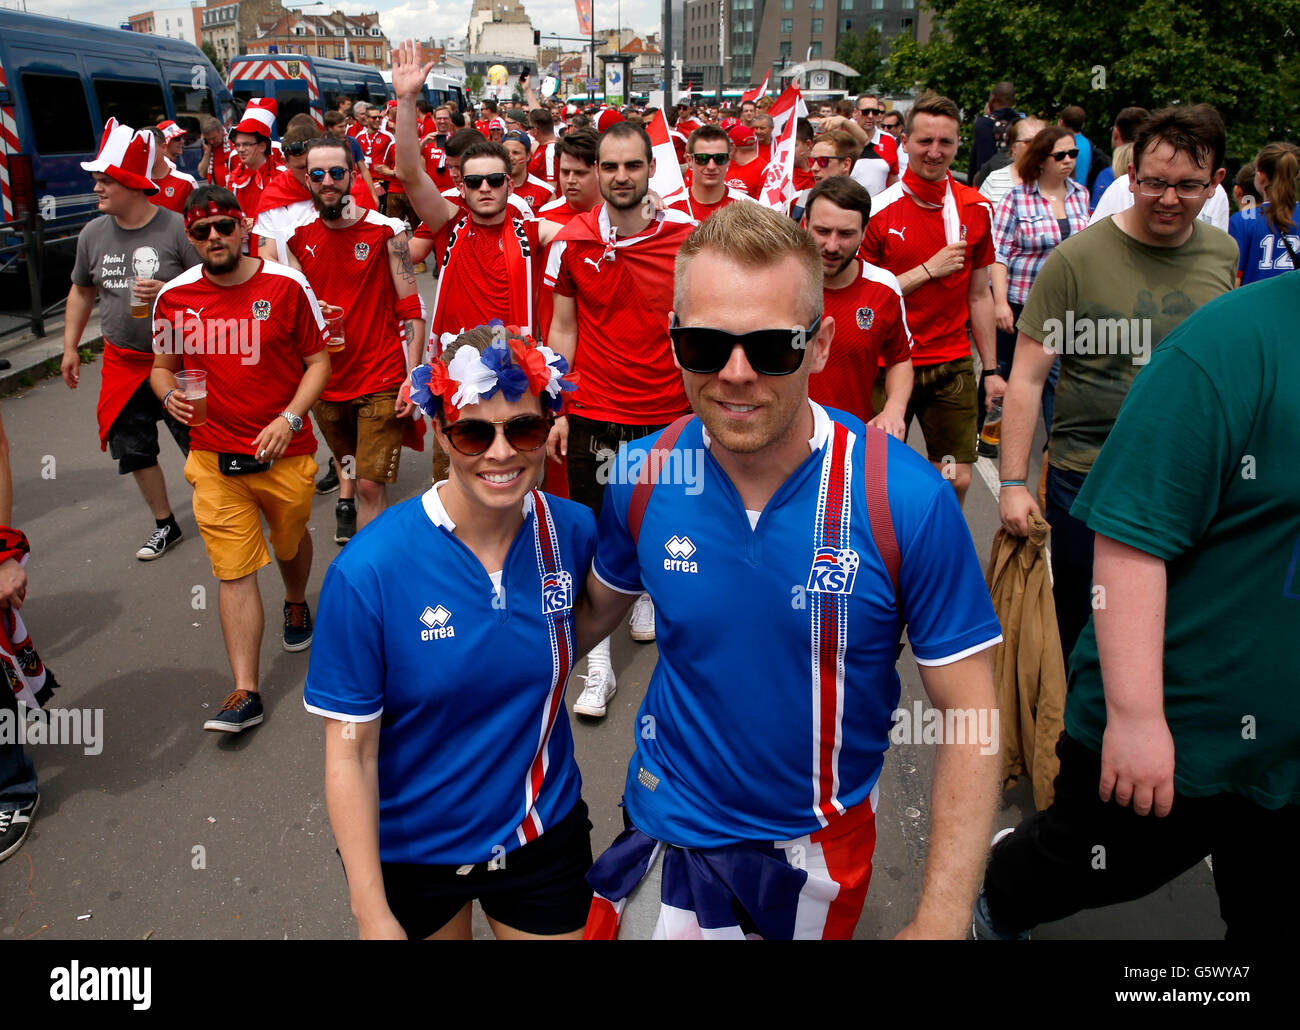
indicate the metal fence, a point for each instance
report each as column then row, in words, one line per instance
column 26, row 245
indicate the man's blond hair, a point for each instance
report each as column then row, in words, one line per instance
column 756, row 237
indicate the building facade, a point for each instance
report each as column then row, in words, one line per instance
column 341, row 37
column 172, row 22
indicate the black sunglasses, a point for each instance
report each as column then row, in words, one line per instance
column 295, row 149
column 870, row 110
column 496, row 180
column 472, row 436
column 338, row 173
column 224, row 227
column 1061, row 155
column 823, row 162
column 717, row 159
column 770, row 352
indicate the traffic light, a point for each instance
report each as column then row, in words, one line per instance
column 537, row 37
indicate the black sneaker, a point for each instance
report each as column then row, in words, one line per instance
column 239, row 711
column 15, row 824
column 297, row 626
column 163, row 538
column 330, row 481
column 345, row 521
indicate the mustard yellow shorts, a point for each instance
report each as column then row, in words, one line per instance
column 227, row 508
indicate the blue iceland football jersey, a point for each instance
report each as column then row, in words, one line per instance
column 475, row 749
column 1262, row 252
column 768, row 714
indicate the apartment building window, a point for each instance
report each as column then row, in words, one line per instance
column 787, row 5
column 783, row 48
column 787, row 24
column 816, row 26
column 817, row 49
column 817, row 5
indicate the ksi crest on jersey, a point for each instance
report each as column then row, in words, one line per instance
column 361, row 251
column 557, row 592
column 865, row 317
column 261, row 310
column 833, row 570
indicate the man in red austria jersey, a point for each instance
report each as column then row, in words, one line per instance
column 258, row 162
column 763, row 126
column 218, row 151
column 579, row 183
column 936, row 236
column 254, row 328
column 709, row 152
column 173, row 184
column 533, row 190
column 747, row 168
column 397, row 204
column 545, row 162
column 611, row 273
column 867, row 306
column 379, row 148
column 359, row 120
column 359, row 260
column 877, row 165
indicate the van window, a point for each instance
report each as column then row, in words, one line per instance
column 290, row 99
column 193, row 102
column 138, row 104
column 59, row 115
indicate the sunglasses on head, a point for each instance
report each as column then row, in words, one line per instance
column 338, row 173
column 295, row 149
column 496, row 180
column 224, row 227
column 1061, row 155
column 473, row 436
column 770, row 352
column 717, row 159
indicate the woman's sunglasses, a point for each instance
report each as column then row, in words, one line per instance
column 717, row 159
column 337, row 173
column 1061, row 155
column 224, row 227
column 770, row 352
column 472, row 436
column 496, row 180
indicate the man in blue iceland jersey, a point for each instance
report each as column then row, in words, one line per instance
column 751, row 796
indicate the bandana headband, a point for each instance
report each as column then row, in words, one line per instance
column 213, row 210
column 514, row 363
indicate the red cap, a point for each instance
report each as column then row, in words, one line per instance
column 170, row 130
column 606, row 118
column 742, row 135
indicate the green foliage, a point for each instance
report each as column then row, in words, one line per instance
column 861, row 52
column 210, row 52
column 1242, row 58
column 474, row 85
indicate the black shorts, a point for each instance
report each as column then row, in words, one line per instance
column 133, row 436
column 541, row 888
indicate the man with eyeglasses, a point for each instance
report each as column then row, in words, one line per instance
column 285, row 201
column 255, row 329
column 360, row 261
column 1103, row 300
column 877, row 165
column 380, row 149
column 752, row 792
column 610, row 271
column 257, row 161
column 709, row 152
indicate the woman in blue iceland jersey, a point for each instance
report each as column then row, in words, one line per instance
column 444, row 642
column 1268, row 234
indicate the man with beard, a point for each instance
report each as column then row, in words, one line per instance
column 867, row 305
column 255, row 329
column 359, row 260
column 611, row 272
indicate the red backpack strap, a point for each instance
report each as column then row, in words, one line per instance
column 648, row 476
column 882, row 522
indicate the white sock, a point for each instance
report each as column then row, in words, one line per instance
column 598, row 657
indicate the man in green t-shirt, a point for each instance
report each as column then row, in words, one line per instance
column 1183, row 699
column 1102, row 301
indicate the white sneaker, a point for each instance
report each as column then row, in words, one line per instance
column 643, row 618
column 601, row 687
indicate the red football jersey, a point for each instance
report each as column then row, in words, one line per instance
column 901, row 235
column 624, row 356
column 870, row 325
column 250, row 339
column 803, row 179
column 380, row 149
column 545, row 163
column 748, row 177
column 173, row 189
column 435, row 164
column 472, row 289
column 558, row 211
column 247, row 186
column 535, row 192
column 349, row 267
column 697, row 212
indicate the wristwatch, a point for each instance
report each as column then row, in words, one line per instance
column 984, row 374
column 295, row 423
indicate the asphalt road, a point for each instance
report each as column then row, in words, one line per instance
column 171, row 832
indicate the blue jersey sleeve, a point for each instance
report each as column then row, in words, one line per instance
column 616, row 563
column 345, row 679
column 945, row 601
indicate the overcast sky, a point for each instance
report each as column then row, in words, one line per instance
column 412, row 19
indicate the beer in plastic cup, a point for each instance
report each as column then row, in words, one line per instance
column 139, row 308
column 193, row 386
column 333, row 315
column 991, row 432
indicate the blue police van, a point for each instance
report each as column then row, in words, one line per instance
column 301, row 84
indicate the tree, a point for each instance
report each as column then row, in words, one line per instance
column 861, row 52
column 1152, row 53
column 210, row 52
column 473, row 85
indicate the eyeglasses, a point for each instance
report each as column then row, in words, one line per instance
column 338, row 173
column 770, row 352
column 473, row 436
column 823, row 162
column 1187, row 190
column 496, row 180
column 717, row 159
column 1061, row 155
column 224, row 227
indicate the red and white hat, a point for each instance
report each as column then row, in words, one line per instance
column 604, row 119
column 497, row 123
column 742, row 135
column 170, row 130
column 259, row 118
column 570, row 110
column 126, row 156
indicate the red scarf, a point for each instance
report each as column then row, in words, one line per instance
column 924, row 190
column 519, row 301
column 282, row 191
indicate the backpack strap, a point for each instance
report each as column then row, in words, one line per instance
column 876, row 448
column 648, row 475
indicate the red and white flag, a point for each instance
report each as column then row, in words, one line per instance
column 584, row 16
column 753, row 95
column 778, row 184
column 667, row 180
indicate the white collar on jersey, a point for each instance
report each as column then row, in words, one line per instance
column 433, row 506
column 821, row 429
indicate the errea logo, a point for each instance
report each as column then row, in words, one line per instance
column 680, row 548
column 435, row 621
